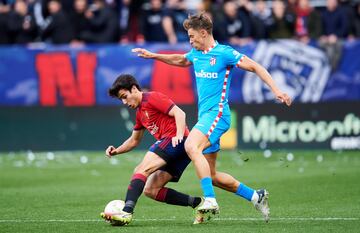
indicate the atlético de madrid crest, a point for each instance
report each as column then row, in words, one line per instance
column 212, row 61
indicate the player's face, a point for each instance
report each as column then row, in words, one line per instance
column 129, row 98
column 197, row 39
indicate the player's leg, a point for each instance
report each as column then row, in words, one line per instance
column 155, row 189
column 194, row 145
column 176, row 162
column 220, row 179
column 149, row 164
column 227, row 182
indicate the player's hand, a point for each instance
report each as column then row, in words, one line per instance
column 283, row 98
column 110, row 151
column 143, row 53
column 176, row 140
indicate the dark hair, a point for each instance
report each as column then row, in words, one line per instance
column 199, row 21
column 124, row 81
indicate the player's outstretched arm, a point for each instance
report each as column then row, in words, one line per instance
column 180, row 121
column 252, row 66
column 128, row 145
column 171, row 59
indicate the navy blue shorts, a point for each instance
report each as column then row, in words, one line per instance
column 175, row 157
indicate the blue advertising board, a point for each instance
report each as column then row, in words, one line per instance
column 45, row 75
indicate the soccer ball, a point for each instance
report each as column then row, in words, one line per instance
column 113, row 207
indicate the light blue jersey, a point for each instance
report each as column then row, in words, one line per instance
column 213, row 76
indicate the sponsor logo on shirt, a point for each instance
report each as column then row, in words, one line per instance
column 153, row 128
column 203, row 74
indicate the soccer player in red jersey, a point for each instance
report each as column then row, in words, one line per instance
column 166, row 159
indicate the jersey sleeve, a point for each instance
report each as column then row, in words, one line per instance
column 190, row 55
column 161, row 102
column 232, row 57
column 138, row 125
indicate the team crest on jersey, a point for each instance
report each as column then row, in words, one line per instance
column 212, row 61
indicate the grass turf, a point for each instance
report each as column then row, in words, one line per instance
column 310, row 191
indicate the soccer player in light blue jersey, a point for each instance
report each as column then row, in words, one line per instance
column 213, row 64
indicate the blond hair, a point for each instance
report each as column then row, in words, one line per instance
column 199, row 21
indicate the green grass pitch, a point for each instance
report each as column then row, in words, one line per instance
column 310, row 191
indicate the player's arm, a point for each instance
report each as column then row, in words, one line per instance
column 171, row 59
column 128, row 145
column 252, row 66
column 180, row 117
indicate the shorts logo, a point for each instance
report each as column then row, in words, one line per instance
column 212, row 61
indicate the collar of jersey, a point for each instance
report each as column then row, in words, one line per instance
column 144, row 98
column 211, row 47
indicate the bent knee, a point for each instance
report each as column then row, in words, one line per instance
column 192, row 149
column 150, row 192
column 188, row 147
column 147, row 192
column 217, row 181
column 214, row 179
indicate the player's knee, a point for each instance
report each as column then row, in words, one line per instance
column 190, row 148
column 214, row 179
column 187, row 146
column 150, row 192
column 147, row 191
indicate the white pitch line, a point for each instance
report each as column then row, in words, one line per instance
column 177, row 219
column 50, row 220
column 290, row 219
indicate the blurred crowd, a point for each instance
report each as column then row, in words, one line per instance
column 123, row 21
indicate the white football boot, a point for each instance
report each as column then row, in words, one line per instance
column 262, row 203
column 206, row 210
column 118, row 219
